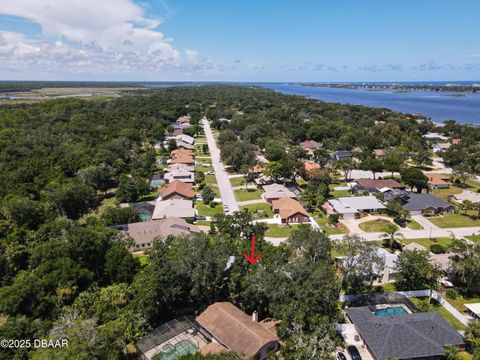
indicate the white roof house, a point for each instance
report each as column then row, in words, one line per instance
column 473, row 309
column 358, row 203
column 474, row 197
column 433, row 136
column 173, row 208
column 277, row 191
column 186, row 139
column 180, row 175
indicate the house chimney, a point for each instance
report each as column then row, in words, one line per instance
column 255, row 316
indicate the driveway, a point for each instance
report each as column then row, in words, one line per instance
column 424, row 222
column 224, row 185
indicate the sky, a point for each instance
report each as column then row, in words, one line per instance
column 240, row 40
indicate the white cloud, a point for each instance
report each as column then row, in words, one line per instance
column 91, row 37
column 191, row 54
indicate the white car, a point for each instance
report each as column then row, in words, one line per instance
column 225, row 208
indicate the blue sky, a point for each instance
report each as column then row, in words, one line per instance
column 281, row 40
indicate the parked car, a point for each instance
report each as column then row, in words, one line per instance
column 199, row 197
column 353, row 351
column 341, row 356
column 225, row 208
column 400, row 222
column 210, row 173
column 201, row 217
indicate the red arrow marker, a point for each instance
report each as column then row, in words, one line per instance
column 253, row 259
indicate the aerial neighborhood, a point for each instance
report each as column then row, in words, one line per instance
column 220, row 232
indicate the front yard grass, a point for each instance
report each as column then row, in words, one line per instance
column 259, row 211
column 412, row 224
column 206, row 210
column 444, row 241
column 456, row 220
column 210, row 179
column 323, row 223
column 278, row 231
column 249, row 194
column 445, row 194
column 474, row 238
column 378, row 225
column 203, row 168
column 237, row 181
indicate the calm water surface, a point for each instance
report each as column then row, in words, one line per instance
column 439, row 106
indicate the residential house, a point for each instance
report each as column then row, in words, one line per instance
column 183, row 159
column 236, row 331
column 277, row 191
column 381, row 274
column 440, row 147
column 340, row 155
column 184, row 145
column 181, row 152
column 179, row 175
column 186, row 139
column 177, row 190
column 471, row 196
column 348, row 207
column 144, row 233
column 180, row 208
column 180, row 167
column 473, row 309
column 435, row 137
column 379, row 153
column 183, row 119
column 290, row 211
column 405, row 336
column 418, row 204
column 257, row 170
column 311, row 166
column 437, row 181
column 442, row 260
column 310, row 145
column 375, row 185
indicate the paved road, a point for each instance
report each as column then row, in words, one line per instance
column 224, row 185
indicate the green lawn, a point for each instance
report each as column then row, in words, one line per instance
column 473, row 238
column 259, row 211
column 445, row 194
column 143, row 259
column 150, row 196
column 204, row 160
column 412, row 224
column 203, row 168
column 237, row 181
column 460, row 302
column 456, row 220
column 206, row 210
column 275, row 230
column 374, row 225
column 445, row 242
column 210, row 179
column 323, row 223
column 339, row 193
column 441, row 311
column 203, row 223
column 249, row 194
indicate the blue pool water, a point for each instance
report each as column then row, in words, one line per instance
column 156, row 183
column 392, row 311
column 183, row 347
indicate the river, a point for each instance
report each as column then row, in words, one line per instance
column 438, row 105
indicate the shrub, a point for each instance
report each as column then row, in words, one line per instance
column 333, row 219
column 451, row 294
column 437, row 249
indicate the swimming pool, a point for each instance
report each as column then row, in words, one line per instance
column 391, row 311
column 182, row 347
column 156, row 183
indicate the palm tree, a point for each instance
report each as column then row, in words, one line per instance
column 392, row 235
column 452, row 352
column 466, row 205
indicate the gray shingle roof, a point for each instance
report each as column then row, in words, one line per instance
column 425, row 201
column 404, row 336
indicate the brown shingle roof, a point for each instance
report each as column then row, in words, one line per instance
column 437, row 179
column 181, row 152
column 287, row 207
column 177, row 187
column 379, row 183
column 311, row 166
column 235, row 329
column 183, row 159
column 145, row 231
column 310, row 144
column 183, row 119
